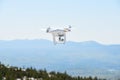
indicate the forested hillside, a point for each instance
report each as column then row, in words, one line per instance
column 16, row 73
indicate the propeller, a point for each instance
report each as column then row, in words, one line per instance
column 43, row 29
column 70, row 26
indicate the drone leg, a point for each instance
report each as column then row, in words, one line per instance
column 64, row 38
column 54, row 39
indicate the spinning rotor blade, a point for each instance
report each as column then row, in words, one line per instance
column 43, row 29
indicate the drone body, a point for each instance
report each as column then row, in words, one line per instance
column 59, row 35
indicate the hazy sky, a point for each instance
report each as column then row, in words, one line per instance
column 97, row 20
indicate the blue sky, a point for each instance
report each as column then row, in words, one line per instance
column 97, row 20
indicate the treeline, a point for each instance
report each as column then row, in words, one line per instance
column 14, row 73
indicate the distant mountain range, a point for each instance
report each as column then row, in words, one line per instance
column 77, row 58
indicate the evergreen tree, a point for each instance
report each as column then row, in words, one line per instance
column 12, row 73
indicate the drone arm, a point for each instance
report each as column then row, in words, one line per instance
column 54, row 38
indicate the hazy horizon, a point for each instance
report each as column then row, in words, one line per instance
column 89, row 41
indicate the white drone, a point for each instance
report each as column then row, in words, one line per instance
column 59, row 35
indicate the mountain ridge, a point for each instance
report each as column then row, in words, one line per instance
column 61, row 57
